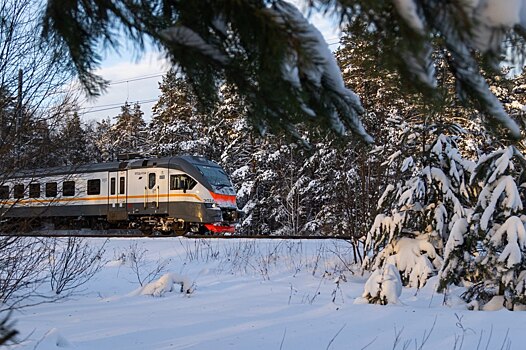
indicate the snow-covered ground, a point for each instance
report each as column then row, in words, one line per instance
column 252, row 294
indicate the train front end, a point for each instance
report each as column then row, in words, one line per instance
column 221, row 196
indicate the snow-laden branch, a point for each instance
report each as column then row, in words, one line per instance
column 312, row 68
column 186, row 37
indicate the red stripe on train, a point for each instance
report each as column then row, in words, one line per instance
column 220, row 229
column 223, row 198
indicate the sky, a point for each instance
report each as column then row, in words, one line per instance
column 137, row 80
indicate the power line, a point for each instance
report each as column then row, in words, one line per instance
column 137, row 78
column 113, row 106
column 102, row 108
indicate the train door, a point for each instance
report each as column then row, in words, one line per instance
column 156, row 191
column 117, row 196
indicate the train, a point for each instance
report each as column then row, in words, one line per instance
column 170, row 195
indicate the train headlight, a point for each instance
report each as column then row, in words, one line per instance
column 211, row 205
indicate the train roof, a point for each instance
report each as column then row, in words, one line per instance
column 183, row 163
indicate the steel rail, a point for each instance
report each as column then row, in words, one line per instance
column 121, row 233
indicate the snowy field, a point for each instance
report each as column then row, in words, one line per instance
column 251, row 294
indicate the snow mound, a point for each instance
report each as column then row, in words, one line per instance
column 496, row 303
column 415, row 258
column 165, row 284
column 115, row 263
column 53, row 339
column 383, row 287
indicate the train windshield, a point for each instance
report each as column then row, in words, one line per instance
column 216, row 176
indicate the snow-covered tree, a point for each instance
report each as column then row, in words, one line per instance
column 418, row 212
column 103, row 140
column 384, row 286
column 496, row 238
column 178, row 125
column 128, row 132
column 71, row 142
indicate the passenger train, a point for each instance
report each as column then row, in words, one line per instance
column 171, row 195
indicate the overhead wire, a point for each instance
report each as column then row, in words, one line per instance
column 102, row 108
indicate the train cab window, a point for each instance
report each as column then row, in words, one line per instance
column 34, row 190
column 4, row 192
column 181, row 182
column 18, row 191
column 151, row 180
column 68, row 188
column 113, row 185
column 51, row 189
column 94, row 186
column 121, row 185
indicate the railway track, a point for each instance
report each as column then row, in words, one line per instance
column 131, row 233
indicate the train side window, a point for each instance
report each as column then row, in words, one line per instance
column 181, row 182
column 112, row 185
column 94, row 186
column 51, row 189
column 34, row 190
column 4, row 192
column 121, row 185
column 18, row 191
column 68, row 188
column 151, row 180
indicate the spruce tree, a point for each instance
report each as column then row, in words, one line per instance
column 496, row 238
column 418, row 211
column 104, row 140
column 177, row 125
column 72, row 142
column 128, row 132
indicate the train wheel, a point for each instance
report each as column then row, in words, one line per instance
column 147, row 233
column 179, row 232
column 146, row 230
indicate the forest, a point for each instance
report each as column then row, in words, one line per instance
column 422, row 176
column 435, row 178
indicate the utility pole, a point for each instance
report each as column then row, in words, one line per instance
column 18, row 121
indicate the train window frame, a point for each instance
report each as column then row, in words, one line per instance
column 4, row 192
column 152, row 180
column 113, row 185
column 34, row 190
column 68, row 188
column 51, row 189
column 191, row 183
column 93, row 187
column 122, row 185
column 18, row 191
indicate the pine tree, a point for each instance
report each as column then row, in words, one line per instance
column 72, row 142
column 93, row 139
column 104, row 141
column 128, row 131
column 177, row 125
column 419, row 211
column 496, row 237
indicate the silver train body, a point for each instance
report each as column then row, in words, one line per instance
column 171, row 195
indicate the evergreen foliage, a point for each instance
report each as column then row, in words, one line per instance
column 418, row 211
column 281, row 64
column 258, row 66
column 72, row 137
column 497, row 266
column 128, row 132
column 177, row 126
